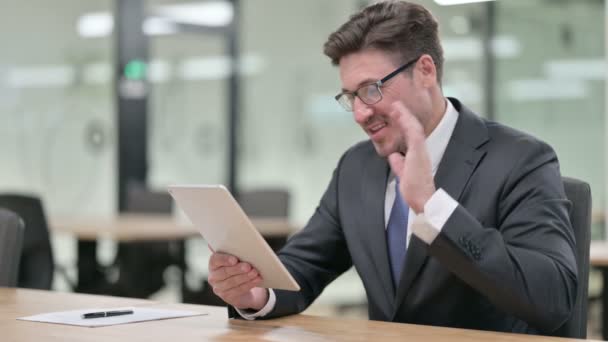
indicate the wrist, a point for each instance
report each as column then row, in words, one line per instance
column 260, row 298
column 418, row 207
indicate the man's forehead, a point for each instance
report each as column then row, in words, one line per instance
column 364, row 67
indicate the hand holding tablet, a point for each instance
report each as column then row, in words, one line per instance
column 227, row 229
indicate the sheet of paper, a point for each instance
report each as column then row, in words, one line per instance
column 140, row 314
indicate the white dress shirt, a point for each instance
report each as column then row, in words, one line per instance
column 437, row 210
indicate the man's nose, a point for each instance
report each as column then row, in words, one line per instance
column 361, row 110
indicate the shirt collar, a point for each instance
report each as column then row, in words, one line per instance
column 438, row 140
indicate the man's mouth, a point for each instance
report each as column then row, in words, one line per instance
column 375, row 128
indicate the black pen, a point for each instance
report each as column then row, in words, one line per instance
column 107, row 313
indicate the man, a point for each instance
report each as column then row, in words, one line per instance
column 449, row 219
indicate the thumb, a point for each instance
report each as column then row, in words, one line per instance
column 396, row 161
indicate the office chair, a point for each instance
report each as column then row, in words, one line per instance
column 270, row 202
column 140, row 199
column 579, row 193
column 265, row 202
column 11, row 243
column 36, row 267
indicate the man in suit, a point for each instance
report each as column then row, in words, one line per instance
column 449, row 219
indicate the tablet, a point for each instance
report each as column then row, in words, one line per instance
column 227, row 229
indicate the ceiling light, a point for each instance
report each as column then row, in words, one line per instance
column 470, row 48
column 526, row 90
column 211, row 13
column 98, row 24
column 458, row 2
column 155, row 26
column 593, row 69
column 217, row 67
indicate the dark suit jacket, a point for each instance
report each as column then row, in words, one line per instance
column 504, row 260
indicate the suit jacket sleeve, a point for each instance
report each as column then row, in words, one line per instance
column 526, row 265
column 314, row 256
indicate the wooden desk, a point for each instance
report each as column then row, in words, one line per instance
column 149, row 227
column 215, row 326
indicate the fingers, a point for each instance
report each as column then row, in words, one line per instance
column 234, row 281
column 242, row 296
column 232, row 295
column 408, row 122
column 396, row 161
column 415, row 168
column 218, row 260
column 231, row 283
column 227, row 272
column 230, row 278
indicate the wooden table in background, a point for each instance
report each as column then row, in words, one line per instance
column 149, row 227
column 212, row 327
column 144, row 228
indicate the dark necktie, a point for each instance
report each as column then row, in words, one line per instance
column 396, row 235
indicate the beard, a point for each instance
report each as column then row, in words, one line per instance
column 384, row 149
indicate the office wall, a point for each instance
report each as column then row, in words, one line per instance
column 555, row 87
column 293, row 130
column 57, row 107
column 57, row 135
column 187, row 108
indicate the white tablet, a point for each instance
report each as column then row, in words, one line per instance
column 227, row 229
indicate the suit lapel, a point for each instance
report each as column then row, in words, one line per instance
column 372, row 228
column 460, row 159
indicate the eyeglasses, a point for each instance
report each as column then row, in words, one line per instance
column 369, row 93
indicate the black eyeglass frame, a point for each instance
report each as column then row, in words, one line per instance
column 379, row 84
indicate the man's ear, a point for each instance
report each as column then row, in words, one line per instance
column 427, row 69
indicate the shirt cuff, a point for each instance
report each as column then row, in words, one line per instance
column 437, row 211
column 248, row 315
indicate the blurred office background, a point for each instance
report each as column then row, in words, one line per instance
column 537, row 65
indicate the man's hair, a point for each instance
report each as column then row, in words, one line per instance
column 397, row 27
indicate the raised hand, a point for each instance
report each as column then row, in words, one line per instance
column 414, row 168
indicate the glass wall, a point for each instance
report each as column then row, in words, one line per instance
column 555, row 87
column 293, row 132
column 187, row 103
column 57, row 137
column 461, row 30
